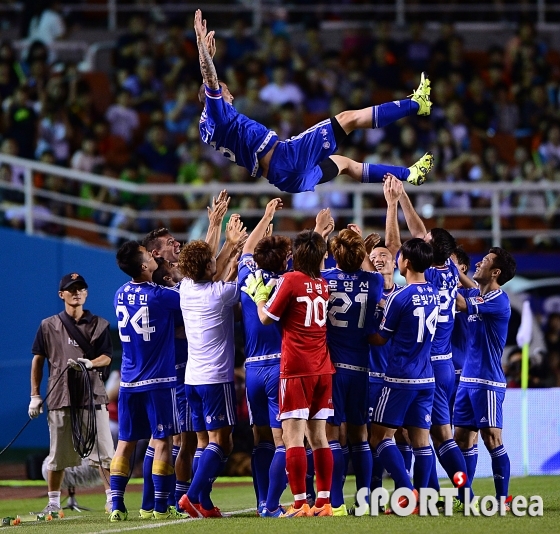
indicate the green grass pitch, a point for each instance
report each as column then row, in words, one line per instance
column 239, row 498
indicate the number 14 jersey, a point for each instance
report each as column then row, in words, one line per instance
column 300, row 304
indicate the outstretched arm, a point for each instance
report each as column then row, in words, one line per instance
column 260, row 230
column 392, row 189
column 413, row 220
column 209, row 75
column 216, row 215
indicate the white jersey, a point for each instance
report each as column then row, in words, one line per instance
column 207, row 309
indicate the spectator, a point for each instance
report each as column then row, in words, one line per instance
column 157, row 154
column 144, row 87
column 239, row 44
column 549, row 151
column 21, row 122
column 87, row 157
column 123, row 119
column 251, row 105
column 47, row 25
column 281, row 91
column 182, row 110
column 417, row 51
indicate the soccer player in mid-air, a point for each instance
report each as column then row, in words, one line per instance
column 482, row 386
column 444, row 275
column 354, row 294
column 300, row 163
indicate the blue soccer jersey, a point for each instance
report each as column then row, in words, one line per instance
column 483, row 367
column 146, row 319
column 240, row 139
column 379, row 354
column 445, row 279
column 410, row 319
column 353, row 298
column 462, row 338
column 260, row 340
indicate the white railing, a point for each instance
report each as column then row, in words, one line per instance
column 260, row 8
column 357, row 213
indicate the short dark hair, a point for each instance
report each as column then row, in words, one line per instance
column 161, row 272
column 505, row 262
column 348, row 249
column 309, row 250
column 151, row 241
column 194, row 259
column 462, row 257
column 443, row 245
column 129, row 258
column 271, row 252
column 419, row 253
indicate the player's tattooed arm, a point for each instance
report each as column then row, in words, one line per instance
column 204, row 41
column 261, row 229
column 392, row 189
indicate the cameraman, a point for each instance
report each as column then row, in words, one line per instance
column 54, row 343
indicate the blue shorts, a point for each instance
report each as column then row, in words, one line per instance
column 183, row 410
column 457, row 380
column 146, row 414
column 444, row 374
column 262, row 395
column 404, row 407
column 213, row 406
column 374, row 390
column 478, row 408
column 350, row 398
column 294, row 166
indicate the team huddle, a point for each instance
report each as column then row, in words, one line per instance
column 340, row 363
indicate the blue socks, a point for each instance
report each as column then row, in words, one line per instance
column 196, row 459
column 423, row 463
column 376, row 472
column 390, row 112
column 393, row 462
column 501, row 469
column 310, row 475
column 452, row 461
column 209, row 466
column 264, row 452
column 374, row 173
column 433, row 481
column 180, row 489
column 174, row 453
column 148, row 489
column 277, row 479
column 471, row 459
column 406, row 451
column 337, row 494
column 362, row 462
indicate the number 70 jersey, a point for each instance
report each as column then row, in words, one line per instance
column 410, row 320
column 146, row 319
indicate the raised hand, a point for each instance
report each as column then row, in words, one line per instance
column 272, row 207
column 354, row 228
column 235, row 231
column 199, row 25
column 218, row 210
column 211, row 43
column 371, row 241
column 392, row 188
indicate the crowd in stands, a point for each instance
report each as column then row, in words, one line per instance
column 496, row 115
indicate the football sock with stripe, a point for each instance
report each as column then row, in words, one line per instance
column 148, row 487
column 277, row 479
column 390, row 112
column 323, row 473
column 346, row 455
column 376, row 472
column 310, row 474
column 393, row 462
column 263, row 458
column 337, row 496
column 120, row 469
column 180, row 489
column 163, row 477
column 204, row 496
column 196, row 460
column 254, row 474
column 471, row 459
column 452, row 461
column 362, row 462
column 373, row 173
column 501, row 470
column 433, row 481
column 406, row 451
column 423, row 462
column 296, row 467
column 208, row 467
column 174, row 453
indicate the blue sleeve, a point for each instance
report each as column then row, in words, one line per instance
column 488, row 305
column 217, row 108
column 245, row 267
column 430, row 274
column 391, row 317
column 169, row 298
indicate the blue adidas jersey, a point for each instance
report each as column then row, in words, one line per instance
column 410, row 319
column 146, row 314
column 239, row 138
column 445, row 279
column 353, row 298
column 260, row 340
column 483, row 367
column 462, row 338
column 379, row 354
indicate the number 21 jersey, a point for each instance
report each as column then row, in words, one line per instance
column 300, row 304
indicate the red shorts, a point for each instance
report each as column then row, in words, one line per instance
column 306, row 397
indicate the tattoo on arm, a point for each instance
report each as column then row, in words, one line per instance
column 207, row 68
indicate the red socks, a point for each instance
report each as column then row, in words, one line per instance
column 323, row 475
column 296, row 467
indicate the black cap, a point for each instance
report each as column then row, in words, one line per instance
column 71, row 279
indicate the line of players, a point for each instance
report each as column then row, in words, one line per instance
column 407, row 366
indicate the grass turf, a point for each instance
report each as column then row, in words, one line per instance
column 241, row 497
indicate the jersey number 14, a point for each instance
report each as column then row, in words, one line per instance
column 430, row 322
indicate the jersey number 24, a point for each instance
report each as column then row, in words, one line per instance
column 140, row 321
